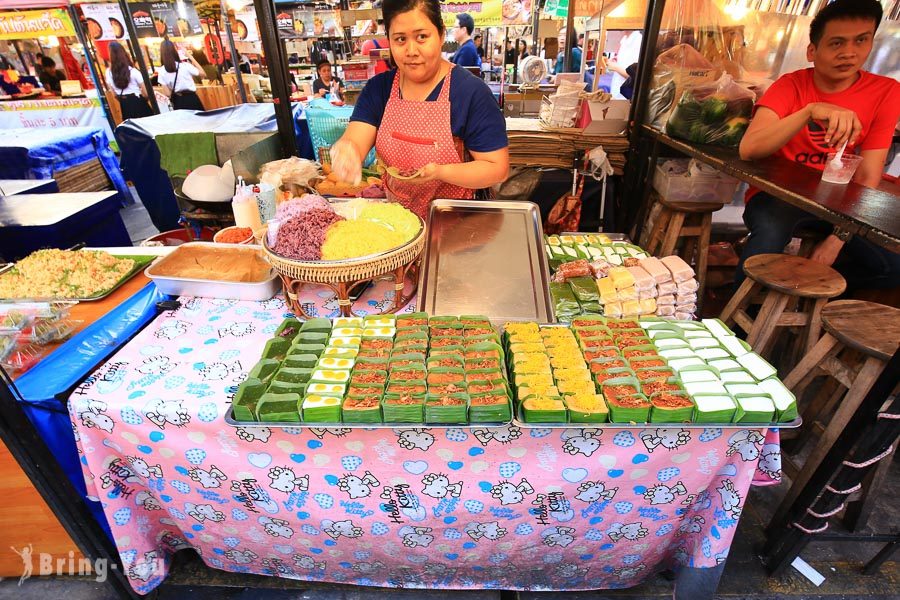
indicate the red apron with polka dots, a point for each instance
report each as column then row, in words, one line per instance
column 413, row 134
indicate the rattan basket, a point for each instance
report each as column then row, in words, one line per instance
column 344, row 276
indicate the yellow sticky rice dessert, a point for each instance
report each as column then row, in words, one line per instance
column 586, row 402
column 572, row 374
column 576, row 387
column 541, row 389
column 543, row 403
column 516, row 328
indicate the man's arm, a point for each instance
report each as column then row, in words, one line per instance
column 768, row 133
column 868, row 174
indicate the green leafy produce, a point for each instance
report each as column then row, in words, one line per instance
column 713, row 110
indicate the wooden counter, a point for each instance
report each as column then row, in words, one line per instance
column 26, row 518
column 872, row 213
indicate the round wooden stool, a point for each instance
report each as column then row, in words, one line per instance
column 687, row 221
column 794, row 290
column 860, row 337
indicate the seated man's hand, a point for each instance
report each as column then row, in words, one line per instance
column 827, row 250
column 842, row 123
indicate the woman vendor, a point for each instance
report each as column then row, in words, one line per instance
column 434, row 123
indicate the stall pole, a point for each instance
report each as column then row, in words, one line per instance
column 133, row 36
column 235, row 57
column 571, row 37
column 37, row 461
column 636, row 159
column 278, row 76
column 15, row 44
column 88, row 48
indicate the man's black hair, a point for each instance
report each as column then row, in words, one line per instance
column 466, row 21
column 477, row 36
column 844, row 9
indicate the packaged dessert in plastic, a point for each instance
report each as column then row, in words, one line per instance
column 14, row 321
column 7, row 343
column 565, row 305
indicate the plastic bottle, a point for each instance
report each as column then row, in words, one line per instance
column 244, row 207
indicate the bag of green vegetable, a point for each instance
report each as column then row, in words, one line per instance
column 716, row 113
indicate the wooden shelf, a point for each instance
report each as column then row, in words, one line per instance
column 872, row 213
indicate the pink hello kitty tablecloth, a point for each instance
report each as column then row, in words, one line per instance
column 509, row 508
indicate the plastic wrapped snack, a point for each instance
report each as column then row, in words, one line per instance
column 585, row 289
column 621, row 278
column 680, row 270
column 656, row 269
column 565, row 304
column 569, row 270
column 642, row 279
column 686, row 287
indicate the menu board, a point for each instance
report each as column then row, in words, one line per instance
column 245, row 26
column 313, row 23
column 162, row 19
column 104, row 21
column 486, row 13
column 517, row 12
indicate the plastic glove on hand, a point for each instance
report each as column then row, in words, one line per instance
column 345, row 162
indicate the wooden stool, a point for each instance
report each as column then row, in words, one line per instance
column 852, row 327
column 688, row 221
column 784, row 279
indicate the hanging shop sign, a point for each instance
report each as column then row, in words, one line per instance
column 162, row 19
column 487, row 13
column 54, row 113
column 313, row 23
column 583, row 8
column 246, row 28
column 517, row 12
column 35, row 23
column 104, row 21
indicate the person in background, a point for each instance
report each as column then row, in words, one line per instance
column 50, row 76
column 509, row 56
column 8, row 77
column 522, row 49
column 467, row 54
column 177, row 76
column 478, row 45
column 127, row 84
column 805, row 115
column 434, row 122
column 380, row 43
column 323, row 83
column 561, row 57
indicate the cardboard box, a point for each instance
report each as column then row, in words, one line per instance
column 604, row 118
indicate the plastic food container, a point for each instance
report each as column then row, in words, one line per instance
column 681, row 186
column 211, row 287
column 843, row 173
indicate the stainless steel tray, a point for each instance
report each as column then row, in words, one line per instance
column 485, row 257
column 789, row 425
column 614, row 237
column 229, row 419
column 207, row 288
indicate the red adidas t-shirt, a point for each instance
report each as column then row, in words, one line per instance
column 875, row 100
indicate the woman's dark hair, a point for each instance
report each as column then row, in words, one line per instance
column 524, row 48
column 844, row 9
column 120, row 65
column 431, row 8
column 321, row 64
column 169, row 56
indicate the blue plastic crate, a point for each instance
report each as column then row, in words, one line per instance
column 327, row 125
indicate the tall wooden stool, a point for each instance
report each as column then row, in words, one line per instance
column 853, row 328
column 794, row 290
column 690, row 222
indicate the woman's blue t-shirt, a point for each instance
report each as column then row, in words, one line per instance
column 475, row 117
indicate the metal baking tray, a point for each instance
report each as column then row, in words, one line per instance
column 519, row 422
column 486, row 257
column 210, row 288
column 140, row 261
column 613, row 237
column 229, row 419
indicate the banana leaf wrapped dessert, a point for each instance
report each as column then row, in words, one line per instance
column 243, row 407
column 361, row 409
column 671, row 406
column 264, row 370
column 321, row 409
column 544, row 409
column 491, row 407
column 586, row 408
column 403, row 408
column 446, row 408
column 278, row 408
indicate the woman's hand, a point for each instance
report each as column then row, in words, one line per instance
column 345, row 162
column 429, row 172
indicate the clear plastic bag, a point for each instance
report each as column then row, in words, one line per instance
column 715, row 113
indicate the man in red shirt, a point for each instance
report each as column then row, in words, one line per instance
column 807, row 114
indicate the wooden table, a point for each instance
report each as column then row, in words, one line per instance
column 32, row 221
column 11, row 187
column 871, row 213
column 26, row 518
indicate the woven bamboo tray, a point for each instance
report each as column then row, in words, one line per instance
column 346, row 276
